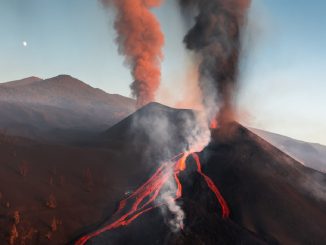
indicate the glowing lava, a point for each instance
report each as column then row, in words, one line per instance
column 147, row 197
column 214, row 124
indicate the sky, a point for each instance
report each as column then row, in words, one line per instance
column 283, row 68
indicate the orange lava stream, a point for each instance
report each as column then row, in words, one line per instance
column 214, row 124
column 213, row 187
column 146, row 197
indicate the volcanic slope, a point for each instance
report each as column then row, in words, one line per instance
column 268, row 192
column 56, row 189
column 273, row 199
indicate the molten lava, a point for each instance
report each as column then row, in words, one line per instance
column 147, row 196
column 214, row 124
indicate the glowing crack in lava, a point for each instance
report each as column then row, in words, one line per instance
column 147, row 196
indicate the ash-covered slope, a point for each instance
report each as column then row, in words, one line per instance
column 34, row 107
column 273, row 199
column 154, row 130
column 84, row 182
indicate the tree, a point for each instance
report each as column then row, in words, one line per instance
column 54, row 224
column 16, row 217
column 13, row 235
column 51, row 202
column 48, row 235
column 23, row 168
column 28, row 235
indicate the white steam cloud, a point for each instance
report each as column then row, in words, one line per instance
column 167, row 131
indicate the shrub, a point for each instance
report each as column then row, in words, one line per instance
column 51, row 202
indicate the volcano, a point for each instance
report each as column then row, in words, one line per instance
column 238, row 190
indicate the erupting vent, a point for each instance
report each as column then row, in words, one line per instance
column 147, row 197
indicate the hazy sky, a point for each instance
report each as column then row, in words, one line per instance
column 283, row 71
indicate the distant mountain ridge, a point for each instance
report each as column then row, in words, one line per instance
column 61, row 102
column 21, row 82
column 64, row 88
column 312, row 155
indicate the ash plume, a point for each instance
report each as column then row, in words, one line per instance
column 141, row 40
column 216, row 39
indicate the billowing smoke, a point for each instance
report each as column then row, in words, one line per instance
column 176, row 223
column 141, row 40
column 169, row 132
column 216, row 39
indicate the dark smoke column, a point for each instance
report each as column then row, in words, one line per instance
column 141, row 40
column 216, row 38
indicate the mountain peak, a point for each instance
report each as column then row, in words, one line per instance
column 33, row 78
column 66, row 79
column 64, row 76
column 156, row 107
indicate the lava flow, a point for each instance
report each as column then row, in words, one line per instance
column 214, row 124
column 147, row 197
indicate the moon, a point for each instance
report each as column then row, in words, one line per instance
column 24, row 43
